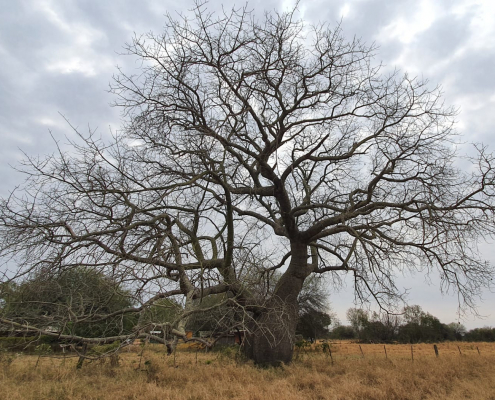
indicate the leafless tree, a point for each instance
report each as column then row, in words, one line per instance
column 252, row 146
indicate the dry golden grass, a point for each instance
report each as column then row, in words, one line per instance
column 420, row 351
column 219, row 376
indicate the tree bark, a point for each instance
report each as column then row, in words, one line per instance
column 271, row 340
column 272, row 337
column 81, row 357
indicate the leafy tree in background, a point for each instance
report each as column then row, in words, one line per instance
column 250, row 146
column 358, row 319
column 315, row 316
column 314, row 325
column 213, row 314
column 77, row 296
column 412, row 314
column 381, row 328
column 343, row 332
column 164, row 311
column 421, row 326
column 456, row 330
column 486, row 334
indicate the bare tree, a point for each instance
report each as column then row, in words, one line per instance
column 259, row 146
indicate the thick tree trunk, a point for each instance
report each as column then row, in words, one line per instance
column 272, row 337
column 271, row 341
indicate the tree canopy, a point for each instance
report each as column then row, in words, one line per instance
column 70, row 302
column 252, row 146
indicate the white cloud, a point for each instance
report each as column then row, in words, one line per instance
column 345, row 9
column 405, row 28
column 75, row 52
column 48, row 122
column 72, row 65
column 483, row 25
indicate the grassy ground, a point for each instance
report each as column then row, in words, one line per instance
column 219, row 375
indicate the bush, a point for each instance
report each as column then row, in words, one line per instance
column 23, row 343
column 28, row 343
column 229, row 352
column 43, row 349
column 343, row 332
column 105, row 348
column 485, row 334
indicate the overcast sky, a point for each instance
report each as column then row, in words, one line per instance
column 58, row 57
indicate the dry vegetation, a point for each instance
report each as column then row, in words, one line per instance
column 219, row 375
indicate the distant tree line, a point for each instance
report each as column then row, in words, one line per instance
column 47, row 298
column 413, row 325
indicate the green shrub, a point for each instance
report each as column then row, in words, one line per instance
column 303, row 345
column 105, row 348
column 226, row 351
column 12, row 343
column 43, row 349
column 28, row 343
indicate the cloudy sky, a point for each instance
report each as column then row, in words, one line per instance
column 58, row 57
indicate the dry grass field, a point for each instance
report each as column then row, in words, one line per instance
column 219, row 375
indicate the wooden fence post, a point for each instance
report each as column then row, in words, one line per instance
column 478, row 351
column 384, row 348
column 361, row 350
column 81, row 356
column 330, row 353
column 412, row 354
column 459, row 350
column 436, row 349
